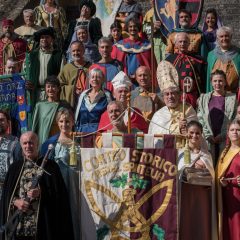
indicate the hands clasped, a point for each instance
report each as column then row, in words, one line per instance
column 23, row 205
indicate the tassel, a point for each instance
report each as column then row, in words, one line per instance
column 187, row 154
column 73, row 154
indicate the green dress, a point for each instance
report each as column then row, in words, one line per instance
column 44, row 117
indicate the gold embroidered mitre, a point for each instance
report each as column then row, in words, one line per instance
column 167, row 75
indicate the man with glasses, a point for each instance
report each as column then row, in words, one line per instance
column 172, row 118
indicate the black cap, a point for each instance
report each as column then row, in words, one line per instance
column 44, row 31
column 90, row 4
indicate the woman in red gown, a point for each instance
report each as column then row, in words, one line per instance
column 228, row 186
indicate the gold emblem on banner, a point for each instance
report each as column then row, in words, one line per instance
column 169, row 10
column 128, row 212
column 22, row 115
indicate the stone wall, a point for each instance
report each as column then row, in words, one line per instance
column 11, row 8
column 229, row 10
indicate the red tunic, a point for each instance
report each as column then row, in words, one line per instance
column 231, row 202
column 20, row 48
column 136, row 122
column 132, row 54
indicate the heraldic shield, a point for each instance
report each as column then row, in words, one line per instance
column 166, row 11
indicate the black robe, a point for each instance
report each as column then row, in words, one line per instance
column 54, row 220
column 195, row 69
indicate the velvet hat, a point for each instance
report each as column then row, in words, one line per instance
column 44, row 31
column 90, row 4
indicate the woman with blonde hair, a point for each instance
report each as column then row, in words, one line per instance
column 63, row 144
column 92, row 103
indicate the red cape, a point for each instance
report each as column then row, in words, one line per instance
column 136, row 122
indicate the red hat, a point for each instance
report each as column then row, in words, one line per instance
column 7, row 22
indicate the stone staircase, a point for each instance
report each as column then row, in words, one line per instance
column 11, row 8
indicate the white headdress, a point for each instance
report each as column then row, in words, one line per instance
column 121, row 80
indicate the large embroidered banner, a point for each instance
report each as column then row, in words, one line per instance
column 131, row 193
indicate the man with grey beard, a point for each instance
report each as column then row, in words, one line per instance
column 10, row 45
column 10, row 149
column 74, row 77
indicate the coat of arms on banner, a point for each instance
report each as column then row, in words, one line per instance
column 131, row 193
column 195, row 7
column 166, row 11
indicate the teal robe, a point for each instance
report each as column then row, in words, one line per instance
column 43, row 117
column 212, row 58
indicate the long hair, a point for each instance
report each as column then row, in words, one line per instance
column 228, row 142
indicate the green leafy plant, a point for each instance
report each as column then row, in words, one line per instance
column 138, row 182
column 120, row 181
column 158, row 232
column 135, row 181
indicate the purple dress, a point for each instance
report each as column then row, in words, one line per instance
column 216, row 108
column 210, row 37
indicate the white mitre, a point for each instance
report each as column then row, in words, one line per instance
column 167, row 76
column 121, row 80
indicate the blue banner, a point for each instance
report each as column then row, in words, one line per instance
column 12, row 99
